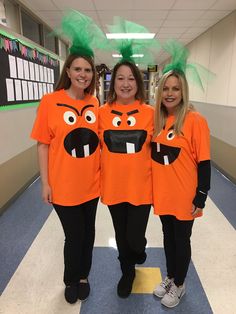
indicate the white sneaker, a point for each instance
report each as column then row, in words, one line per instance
column 163, row 287
column 173, row 296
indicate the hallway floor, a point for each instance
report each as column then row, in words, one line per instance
column 31, row 261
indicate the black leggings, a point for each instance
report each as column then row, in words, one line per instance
column 78, row 223
column 130, row 223
column 177, row 246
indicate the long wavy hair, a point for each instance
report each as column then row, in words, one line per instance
column 65, row 82
column 184, row 106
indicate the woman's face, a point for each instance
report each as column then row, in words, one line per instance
column 80, row 73
column 171, row 94
column 125, row 85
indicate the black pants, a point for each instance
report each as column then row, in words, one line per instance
column 130, row 223
column 78, row 223
column 177, row 246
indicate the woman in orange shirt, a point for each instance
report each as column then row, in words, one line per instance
column 66, row 128
column 68, row 152
column 125, row 130
column 181, row 174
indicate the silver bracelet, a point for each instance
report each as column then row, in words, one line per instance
column 202, row 192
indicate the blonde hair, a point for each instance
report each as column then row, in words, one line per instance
column 184, row 106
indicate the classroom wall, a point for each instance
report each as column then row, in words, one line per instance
column 18, row 156
column 18, row 165
column 216, row 49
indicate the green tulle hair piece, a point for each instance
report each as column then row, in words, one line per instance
column 130, row 47
column 84, row 35
column 196, row 73
column 179, row 55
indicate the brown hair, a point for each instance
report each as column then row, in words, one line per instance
column 140, row 95
column 65, row 82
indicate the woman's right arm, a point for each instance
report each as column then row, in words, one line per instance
column 43, row 167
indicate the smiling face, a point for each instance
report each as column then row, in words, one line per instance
column 171, row 94
column 80, row 73
column 125, row 85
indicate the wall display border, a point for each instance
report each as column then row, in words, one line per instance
column 27, row 73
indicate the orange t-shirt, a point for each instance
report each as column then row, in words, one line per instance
column 125, row 133
column 174, row 165
column 70, row 128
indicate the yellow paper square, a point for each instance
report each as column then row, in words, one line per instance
column 146, row 279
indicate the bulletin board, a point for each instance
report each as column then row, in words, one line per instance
column 26, row 73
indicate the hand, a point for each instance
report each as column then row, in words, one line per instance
column 195, row 210
column 46, row 194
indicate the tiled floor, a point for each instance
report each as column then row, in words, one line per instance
column 36, row 287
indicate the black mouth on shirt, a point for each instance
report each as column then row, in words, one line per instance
column 125, row 141
column 81, row 142
column 164, row 154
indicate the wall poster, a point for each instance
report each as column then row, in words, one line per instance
column 27, row 73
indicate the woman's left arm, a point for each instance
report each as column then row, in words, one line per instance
column 204, row 179
column 201, row 140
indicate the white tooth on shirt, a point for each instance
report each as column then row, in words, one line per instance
column 73, row 153
column 130, row 148
column 166, row 160
column 158, row 147
column 86, row 150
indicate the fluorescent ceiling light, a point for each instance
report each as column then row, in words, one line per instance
column 130, row 35
column 137, row 55
column 116, row 55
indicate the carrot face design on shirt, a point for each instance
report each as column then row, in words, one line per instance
column 165, row 154
column 124, row 137
column 80, row 142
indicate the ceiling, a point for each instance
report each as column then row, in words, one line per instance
column 183, row 20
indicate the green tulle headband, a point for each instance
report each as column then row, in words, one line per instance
column 194, row 72
column 83, row 33
column 128, row 48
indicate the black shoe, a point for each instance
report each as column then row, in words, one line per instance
column 71, row 294
column 125, row 284
column 141, row 258
column 83, row 290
